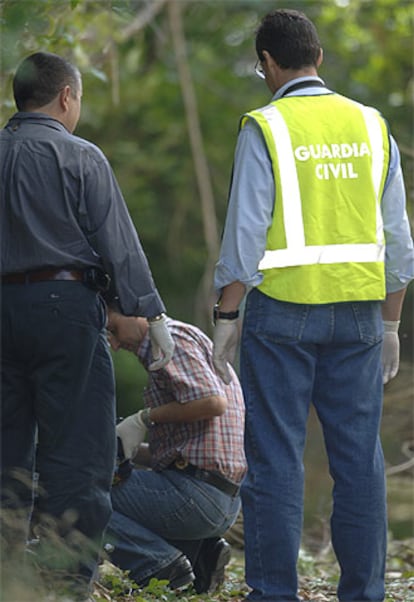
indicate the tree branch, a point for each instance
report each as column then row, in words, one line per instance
column 205, row 293
column 142, row 18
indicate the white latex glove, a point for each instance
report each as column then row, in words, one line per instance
column 390, row 351
column 132, row 432
column 225, row 340
column 162, row 343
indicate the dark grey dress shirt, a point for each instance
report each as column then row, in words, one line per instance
column 61, row 206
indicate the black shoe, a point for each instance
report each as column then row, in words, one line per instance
column 179, row 573
column 209, row 567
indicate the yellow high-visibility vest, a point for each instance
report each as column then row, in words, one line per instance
column 326, row 242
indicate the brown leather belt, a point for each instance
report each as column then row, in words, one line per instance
column 212, row 478
column 42, row 276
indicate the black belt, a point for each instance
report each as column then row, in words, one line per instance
column 42, row 276
column 212, row 478
column 92, row 277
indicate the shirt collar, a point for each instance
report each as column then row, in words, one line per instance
column 39, row 118
column 305, row 78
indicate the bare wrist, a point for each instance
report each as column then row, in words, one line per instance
column 113, row 319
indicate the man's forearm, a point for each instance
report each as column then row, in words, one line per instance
column 197, row 409
column 231, row 296
column 392, row 306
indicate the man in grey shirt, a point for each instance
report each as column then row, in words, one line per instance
column 65, row 232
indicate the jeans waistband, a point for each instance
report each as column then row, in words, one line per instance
column 212, row 478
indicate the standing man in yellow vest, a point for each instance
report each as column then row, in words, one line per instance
column 318, row 236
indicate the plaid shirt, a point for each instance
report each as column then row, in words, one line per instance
column 215, row 444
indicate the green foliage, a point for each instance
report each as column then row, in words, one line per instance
column 131, row 379
column 115, row 580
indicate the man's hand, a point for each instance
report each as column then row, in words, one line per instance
column 225, row 340
column 390, row 351
column 132, row 432
column 162, row 343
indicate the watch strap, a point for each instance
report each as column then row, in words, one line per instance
column 145, row 415
column 224, row 315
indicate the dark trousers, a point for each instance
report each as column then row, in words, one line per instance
column 58, row 413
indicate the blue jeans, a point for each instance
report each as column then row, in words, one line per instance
column 57, row 379
column 156, row 514
column 293, row 355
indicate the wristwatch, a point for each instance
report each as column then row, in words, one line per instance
column 156, row 318
column 224, row 315
column 145, row 415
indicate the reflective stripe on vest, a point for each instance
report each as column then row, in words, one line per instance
column 297, row 252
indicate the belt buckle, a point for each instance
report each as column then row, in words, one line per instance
column 181, row 463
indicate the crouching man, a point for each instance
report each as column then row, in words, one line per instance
column 168, row 522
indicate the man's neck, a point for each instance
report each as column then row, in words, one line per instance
column 287, row 75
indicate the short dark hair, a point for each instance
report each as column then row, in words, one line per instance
column 40, row 77
column 290, row 38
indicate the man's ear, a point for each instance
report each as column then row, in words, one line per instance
column 266, row 56
column 320, row 58
column 64, row 95
column 269, row 60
